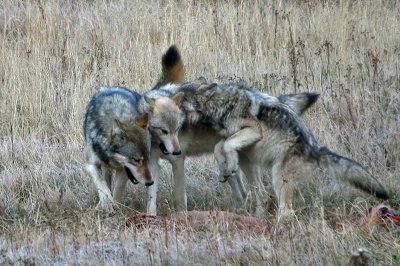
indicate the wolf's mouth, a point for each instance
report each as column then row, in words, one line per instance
column 130, row 176
column 163, row 149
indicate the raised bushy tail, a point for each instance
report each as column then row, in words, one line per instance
column 172, row 68
column 352, row 172
column 299, row 102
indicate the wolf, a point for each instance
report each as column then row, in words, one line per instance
column 120, row 128
column 280, row 142
column 198, row 138
column 116, row 137
column 289, row 151
column 287, row 146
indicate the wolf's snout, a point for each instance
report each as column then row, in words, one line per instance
column 147, row 176
column 177, row 152
column 176, row 149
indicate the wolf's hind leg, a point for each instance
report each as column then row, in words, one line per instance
column 256, row 192
column 284, row 189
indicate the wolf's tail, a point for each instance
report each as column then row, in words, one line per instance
column 172, row 68
column 299, row 102
column 351, row 171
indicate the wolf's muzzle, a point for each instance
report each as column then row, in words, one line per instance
column 131, row 176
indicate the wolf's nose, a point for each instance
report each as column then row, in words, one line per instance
column 149, row 183
column 176, row 153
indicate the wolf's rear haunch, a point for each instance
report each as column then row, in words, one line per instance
column 351, row 171
column 302, row 147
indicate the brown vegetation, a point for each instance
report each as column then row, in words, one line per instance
column 55, row 54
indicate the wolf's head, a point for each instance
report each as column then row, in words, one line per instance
column 130, row 144
column 166, row 121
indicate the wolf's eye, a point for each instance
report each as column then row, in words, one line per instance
column 164, row 131
column 137, row 160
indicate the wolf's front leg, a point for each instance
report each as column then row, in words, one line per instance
column 180, row 199
column 235, row 182
column 119, row 186
column 220, row 157
column 101, row 180
column 152, row 190
column 232, row 145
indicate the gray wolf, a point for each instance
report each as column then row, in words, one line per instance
column 199, row 138
column 120, row 128
column 287, row 149
column 116, row 137
column 280, row 143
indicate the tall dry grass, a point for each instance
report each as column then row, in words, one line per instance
column 55, row 54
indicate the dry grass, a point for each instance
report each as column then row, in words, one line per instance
column 55, row 54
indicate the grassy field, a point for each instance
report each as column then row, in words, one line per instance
column 55, row 54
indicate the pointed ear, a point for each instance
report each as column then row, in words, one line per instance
column 123, row 127
column 205, row 90
column 118, row 128
column 142, row 120
column 178, row 98
column 199, row 81
column 202, row 80
column 150, row 101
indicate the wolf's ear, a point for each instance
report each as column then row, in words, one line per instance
column 118, row 128
column 206, row 90
column 142, row 120
column 200, row 81
column 150, row 101
column 178, row 98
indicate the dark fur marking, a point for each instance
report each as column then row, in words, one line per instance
column 171, row 57
column 101, row 153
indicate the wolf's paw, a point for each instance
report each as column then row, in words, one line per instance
column 106, row 208
column 225, row 174
column 228, row 171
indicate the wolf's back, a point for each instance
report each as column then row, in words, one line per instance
column 352, row 172
column 106, row 106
